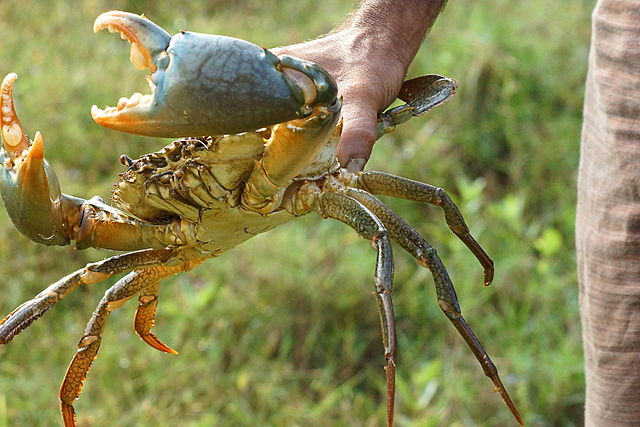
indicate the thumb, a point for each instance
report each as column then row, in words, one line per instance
column 358, row 135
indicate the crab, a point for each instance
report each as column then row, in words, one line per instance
column 273, row 125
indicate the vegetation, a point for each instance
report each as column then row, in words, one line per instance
column 283, row 330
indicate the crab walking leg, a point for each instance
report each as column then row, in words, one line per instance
column 130, row 285
column 146, row 316
column 421, row 94
column 361, row 219
column 28, row 312
column 397, row 186
column 146, row 312
column 417, row 246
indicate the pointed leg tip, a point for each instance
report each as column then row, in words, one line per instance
column 154, row 342
column 390, row 369
column 515, row 413
column 488, row 277
column 499, row 387
column 481, row 355
column 517, row 416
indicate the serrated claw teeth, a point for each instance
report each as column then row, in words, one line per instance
column 137, row 99
column 14, row 137
column 11, row 134
column 139, row 57
column 134, row 100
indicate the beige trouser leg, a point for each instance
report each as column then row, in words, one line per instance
column 608, row 218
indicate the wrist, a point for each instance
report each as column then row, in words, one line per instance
column 393, row 28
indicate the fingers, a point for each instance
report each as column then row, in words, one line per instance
column 358, row 134
column 368, row 81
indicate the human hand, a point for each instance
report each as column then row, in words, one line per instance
column 368, row 56
column 369, row 77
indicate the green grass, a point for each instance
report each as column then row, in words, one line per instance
column 283, row 330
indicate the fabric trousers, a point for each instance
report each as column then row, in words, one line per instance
column 608, row 217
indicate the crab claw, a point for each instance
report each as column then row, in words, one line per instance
column 208, row 85
column 29, row 187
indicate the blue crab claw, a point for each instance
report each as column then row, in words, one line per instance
column 29, row 187
column 204, row 84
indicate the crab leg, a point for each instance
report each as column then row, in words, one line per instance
column 421, row 94
column 146, row 314
column 28, row 312
column 396, row 186
column 417, row 246
column 361, row 219
column 291, row 147
column 127, row 287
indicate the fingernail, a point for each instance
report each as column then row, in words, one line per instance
column 356, row 164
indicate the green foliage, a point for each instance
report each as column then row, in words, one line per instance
column 283, row 330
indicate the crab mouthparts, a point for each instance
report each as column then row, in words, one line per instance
column 148, row 45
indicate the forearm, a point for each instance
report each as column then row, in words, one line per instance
column 397, row 27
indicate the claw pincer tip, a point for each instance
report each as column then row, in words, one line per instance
column 14, row 138
column 37, row 148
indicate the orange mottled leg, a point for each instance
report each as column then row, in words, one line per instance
column 146, row 314
column 133, row 283
column 28, row 312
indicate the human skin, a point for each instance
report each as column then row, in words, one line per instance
column 368, row 56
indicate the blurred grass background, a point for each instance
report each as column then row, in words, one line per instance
column 283, row 330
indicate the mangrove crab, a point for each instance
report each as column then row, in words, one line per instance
column 272, row 160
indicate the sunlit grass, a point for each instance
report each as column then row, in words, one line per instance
column 283, row 330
